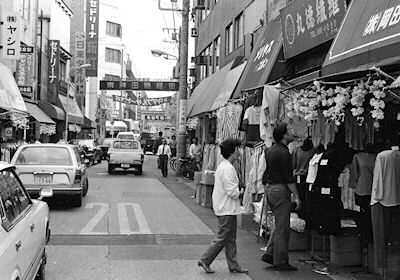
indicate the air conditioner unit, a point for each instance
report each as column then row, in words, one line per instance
column 194, row 32
column 199, row 4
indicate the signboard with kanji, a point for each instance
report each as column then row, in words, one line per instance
column 79, row 74
column 142, row 101
column 92, row 36
column 10, row 34
column 139, row 85
column 25, row 74
column 54, row 66
column 309, row 23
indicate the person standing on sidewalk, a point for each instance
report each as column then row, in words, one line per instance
column 226, row 205
column 280, row 183
column 172, row 144
column 164, row 152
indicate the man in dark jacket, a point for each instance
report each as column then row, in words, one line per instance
column 157, row 143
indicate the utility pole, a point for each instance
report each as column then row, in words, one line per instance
column 183, row 60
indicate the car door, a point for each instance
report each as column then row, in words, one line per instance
column 21, row 245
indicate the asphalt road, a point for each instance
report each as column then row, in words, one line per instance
column 129, row 227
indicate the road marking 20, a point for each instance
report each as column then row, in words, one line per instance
column 122, row 218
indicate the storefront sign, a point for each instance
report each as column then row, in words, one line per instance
column 182, row 117
column 26, row 49
column 160, row 118
column 139, row 85
column 25, row 75
column 274, row 6
column 54, row 66
column 92, row 36
column 142, row 101
column 369, row 36
column 10, row 34
column 309, row 23
column 80, row 59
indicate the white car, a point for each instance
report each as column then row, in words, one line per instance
column 128, row 135
column 24, row 229
column 125, row 154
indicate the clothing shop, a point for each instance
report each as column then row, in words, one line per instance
column 40, row 124
column 13, row 115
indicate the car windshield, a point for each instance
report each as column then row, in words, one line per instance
column 44, row 156
column 126, row 136
column 125, row 145
column 86, row 142
column 107, row 142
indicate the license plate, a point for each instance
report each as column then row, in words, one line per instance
column 43, row 179
column 125, row 165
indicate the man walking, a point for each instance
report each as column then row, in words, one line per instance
column 164, row 151
column 157, row 144
column 226, row 205
column 280, row 184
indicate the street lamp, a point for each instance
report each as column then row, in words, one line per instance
column 66, row 109
column 159, row 53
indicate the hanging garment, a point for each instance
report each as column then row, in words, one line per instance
column 262, row 165
column 269, row 113
column 251, row 122
column 211, row 159
column 301, row 160
column 348, row 194
column 362, row 172
column 323, row 131
column 359, row 131
column 386, row 180
column 313, row 168
column 206, row 155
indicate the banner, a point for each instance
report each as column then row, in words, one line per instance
column 24, row 74
column 142, row 101
column 10, row 34
column 92, row 36
column 79, row 74
column 54, row 66
column 140, row 85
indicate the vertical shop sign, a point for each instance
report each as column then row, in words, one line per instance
column 11, row 41
column 25, row 75
column 92, row 36
column 54, row 66
column 309, row 23
column 80, row 58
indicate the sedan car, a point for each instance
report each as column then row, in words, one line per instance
column 52, row 166
column 125, row 154
column 24, row 229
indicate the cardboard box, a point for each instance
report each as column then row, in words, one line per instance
column 206, row 197
column 208, row 178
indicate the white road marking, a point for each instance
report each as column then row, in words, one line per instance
column 88, row 229
column 124, row 220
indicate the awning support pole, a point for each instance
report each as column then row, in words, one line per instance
column 376, row 69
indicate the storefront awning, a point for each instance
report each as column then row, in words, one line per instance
column 206, row 92
column 228, row 86
column 10, row 97
column 262, row 58
column 51, row 110
column 117, row 126
column 74, row 113
column 38, row 114
column 88, row 123
column 369, row 36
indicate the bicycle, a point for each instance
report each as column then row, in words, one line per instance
column 189, row 166
column 173, row 163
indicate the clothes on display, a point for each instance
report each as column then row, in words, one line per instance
column 251, row 123
column 313, row 168
column 323, row 131
column 228, row 119
column 359, row 131
column 348, row 194
column 361, row 173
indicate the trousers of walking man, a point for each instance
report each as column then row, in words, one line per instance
column 164, row 152
column 226, row 205
column 280, row 184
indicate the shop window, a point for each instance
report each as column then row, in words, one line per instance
column 216, row 53
column 113, row 29
column 229, row 39
column 113, row 55
column 239, row 31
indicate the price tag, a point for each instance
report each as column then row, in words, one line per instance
column 325, row 191
column 310, row 187
column 324, row 162
column 298, row 179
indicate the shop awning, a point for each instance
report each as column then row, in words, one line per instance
column 10, row 97
column 207, row 91
column 74, row 113
column 117, row 126
column 262, row 58
column 369, row 36
column 51, row 110
column 38, row 114
column 88, row 123
column 228, row 86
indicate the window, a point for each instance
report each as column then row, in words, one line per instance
column 78, row 156
column 229, row 39
column 239, row 31
column 126, row 145
column 113, row 55
column 209, row 65
column 13, row 197
column 25, row 9
column 44, row 156
column 216, row 53
column 113, row 29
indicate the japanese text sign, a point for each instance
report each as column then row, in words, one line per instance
column 80, row 59
column 92, row 36
column 142, row 101
column 309, row 23
column 139, row 85
column 10, row 34
column 54, row 66
column 25, row 74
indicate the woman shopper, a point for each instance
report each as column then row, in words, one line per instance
column 226, row 205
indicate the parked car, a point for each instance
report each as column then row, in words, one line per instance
column 24, row 229
column 125, row 154
column 147, row 141
column 52, row 166
column 104, row 146
column 90, row 150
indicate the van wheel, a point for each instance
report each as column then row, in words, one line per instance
column 85, row 187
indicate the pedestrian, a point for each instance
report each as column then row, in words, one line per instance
column 226, row 205
column 280, row 183
column 164, row 152
column 172, row 144
column 157, row 143
column 195, row 149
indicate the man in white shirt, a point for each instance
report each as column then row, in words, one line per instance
column 163, row 152
column 195, row 149
column 226, row 205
